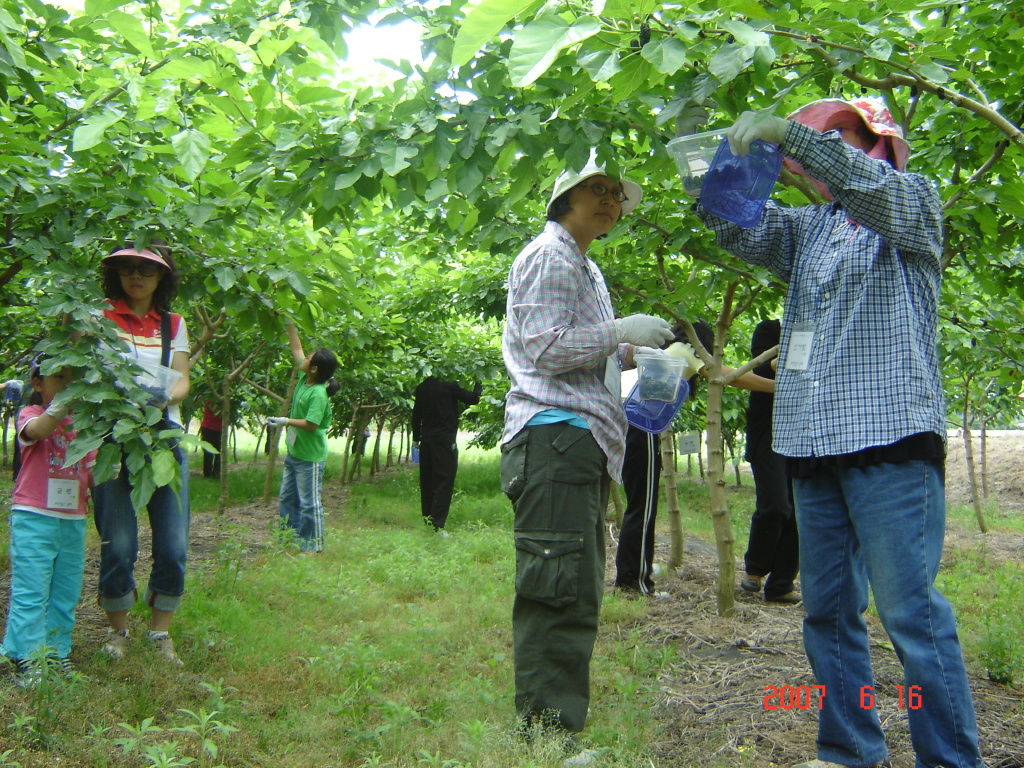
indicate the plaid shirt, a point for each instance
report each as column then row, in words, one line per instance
column 870, row 288
column 559, row 334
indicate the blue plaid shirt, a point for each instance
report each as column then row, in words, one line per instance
column 559, row 334
column 871, row 290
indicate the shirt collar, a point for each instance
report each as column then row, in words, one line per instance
column 120, row 306
column 557, row 230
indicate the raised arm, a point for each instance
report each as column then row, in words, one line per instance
column 294, row 343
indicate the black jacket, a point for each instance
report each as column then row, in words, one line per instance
column 436, row 410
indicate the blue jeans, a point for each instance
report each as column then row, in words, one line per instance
column 884, row 525
column 118, row 526
column 47, row 563
column 300, row 506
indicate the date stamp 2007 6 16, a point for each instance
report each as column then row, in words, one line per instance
column 804, row 696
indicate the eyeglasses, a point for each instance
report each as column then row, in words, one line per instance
column 601, row 190
column 144, row 268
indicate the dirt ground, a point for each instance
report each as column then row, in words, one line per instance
column 713, row 696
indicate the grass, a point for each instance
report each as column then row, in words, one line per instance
column 393, row 648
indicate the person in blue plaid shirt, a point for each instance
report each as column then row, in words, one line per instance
column 860, row 415
column 563, row 439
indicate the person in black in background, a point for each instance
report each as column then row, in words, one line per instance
column 435, row 424
column 773, row 549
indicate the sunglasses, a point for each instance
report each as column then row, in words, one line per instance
column 144, row 268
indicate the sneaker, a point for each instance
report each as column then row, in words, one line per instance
column 27, row 673
column 659, row 595
column 443, row 534
column 656, row 570
column 582, row 759
column 164, row 647
column 751, row 584
column 789, row 598
column 826, row 764
column 117, row 643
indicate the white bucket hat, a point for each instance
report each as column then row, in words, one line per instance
column 569, row 179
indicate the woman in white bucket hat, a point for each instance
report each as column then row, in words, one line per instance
column 563, row 442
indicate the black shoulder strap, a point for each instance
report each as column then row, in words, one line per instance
column 165, row 339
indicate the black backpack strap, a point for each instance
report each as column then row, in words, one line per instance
column 165, row 339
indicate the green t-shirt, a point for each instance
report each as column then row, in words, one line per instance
column 309, row 402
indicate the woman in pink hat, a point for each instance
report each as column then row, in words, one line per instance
column 860, row 416
column 140, row 284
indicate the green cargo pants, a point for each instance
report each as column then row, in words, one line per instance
column 556, row 477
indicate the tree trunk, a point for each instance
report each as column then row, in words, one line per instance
column 273, row 435
column 719, row 508
column 969, row 458
column 668, row 472
column 984, row 457
column 225, row 420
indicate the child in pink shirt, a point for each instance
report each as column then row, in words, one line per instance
column 47, row 532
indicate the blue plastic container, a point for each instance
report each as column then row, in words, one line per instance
column 653, row 416
column 736, row 187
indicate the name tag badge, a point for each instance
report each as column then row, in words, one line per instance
column 62, row 494
column 801, row 341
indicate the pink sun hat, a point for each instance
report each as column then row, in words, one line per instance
column 826, row 114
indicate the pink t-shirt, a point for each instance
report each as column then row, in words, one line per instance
column 44, row 485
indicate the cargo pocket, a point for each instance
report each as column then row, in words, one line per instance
column 548, row 566
column 513, row 465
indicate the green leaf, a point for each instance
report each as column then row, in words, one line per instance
column 934, row 72
column 601, row 65
column 880, row 48
column 165, row 468
column 745, row 34
column 481, row 24
column 130, row 28
column 729, row 60
column 192, row 148
column 225, row 277
column 299, row 283
column 142, row 486
column 394, row 158
column 537, row 46
column 108, row 462
column 96, row 8
column 668, row 55
column 90, row 133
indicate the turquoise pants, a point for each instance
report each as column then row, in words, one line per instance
column 47, row 563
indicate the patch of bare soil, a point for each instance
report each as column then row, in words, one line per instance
column 714, row 699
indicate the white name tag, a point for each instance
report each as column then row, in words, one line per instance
column 798, row 357
column 62, row 494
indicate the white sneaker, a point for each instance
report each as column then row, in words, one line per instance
column 117, row 643
column 443, row 534
column 582, row 759
column 164, row 647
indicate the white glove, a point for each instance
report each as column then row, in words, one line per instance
column 59, row 410
column 687, row 354
column 277, row 421
column 693, row 116
column 642, row 330
column 756, row 125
